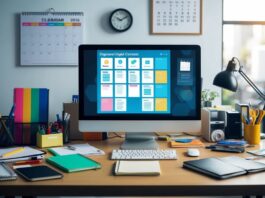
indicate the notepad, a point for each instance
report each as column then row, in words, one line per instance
column 83, row 149
column 151, row 168
column 73, row 163
column 6, row 173
column 194, row 143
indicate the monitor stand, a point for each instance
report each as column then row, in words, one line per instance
column 139, row 141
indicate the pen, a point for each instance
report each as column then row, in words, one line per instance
column 37, row 157
column 13, row 152
column 28, row 162
column 71, row 147
column 210, row 147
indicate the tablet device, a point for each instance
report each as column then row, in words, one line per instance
column 37, row 173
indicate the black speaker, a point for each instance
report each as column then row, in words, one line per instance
column 233, row 125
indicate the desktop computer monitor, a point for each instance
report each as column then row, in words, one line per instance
column 139, row 88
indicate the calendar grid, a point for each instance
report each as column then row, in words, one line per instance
column 176, row 17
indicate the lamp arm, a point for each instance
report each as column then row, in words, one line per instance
column 250, row 82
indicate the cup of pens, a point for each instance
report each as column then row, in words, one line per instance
column 252, row 133
column 252, row 125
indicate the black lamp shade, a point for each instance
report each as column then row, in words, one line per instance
column 227, row 80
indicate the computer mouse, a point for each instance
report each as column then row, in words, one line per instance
column 193, row 152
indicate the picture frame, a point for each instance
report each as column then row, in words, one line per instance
column 176, row 17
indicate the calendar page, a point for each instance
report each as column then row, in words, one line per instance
column 176, row 16
column 51, row 38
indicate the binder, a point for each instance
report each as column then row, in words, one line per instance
column 31, row 105
column 28, row 153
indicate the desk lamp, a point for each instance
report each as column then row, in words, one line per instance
column 227, row 80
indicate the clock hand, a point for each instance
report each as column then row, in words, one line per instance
column 123, row 18
column 119, row 18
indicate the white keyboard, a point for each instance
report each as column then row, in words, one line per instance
column 167, row 154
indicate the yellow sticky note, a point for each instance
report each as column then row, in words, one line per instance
column 161, row 76
column 161, row 104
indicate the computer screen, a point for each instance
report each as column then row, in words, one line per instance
column 138, row 87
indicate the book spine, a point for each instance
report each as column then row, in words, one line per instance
column 35, row 105
column 18, row 101
column 43, row 105
column 27, row 105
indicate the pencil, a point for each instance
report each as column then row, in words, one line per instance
column 13, row 152
column 28, row 162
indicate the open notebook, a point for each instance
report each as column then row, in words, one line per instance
column 225, row 167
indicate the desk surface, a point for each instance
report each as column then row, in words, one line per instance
column 174, row 180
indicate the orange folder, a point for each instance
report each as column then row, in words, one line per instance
column 194, row 143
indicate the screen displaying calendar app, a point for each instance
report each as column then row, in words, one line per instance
column 133, row 82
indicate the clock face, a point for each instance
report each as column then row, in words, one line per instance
column 121, row 20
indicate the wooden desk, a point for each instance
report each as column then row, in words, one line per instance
column 173, row 181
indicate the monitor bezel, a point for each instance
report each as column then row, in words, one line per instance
column 83, row 48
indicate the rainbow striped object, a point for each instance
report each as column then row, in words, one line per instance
column 31, row 105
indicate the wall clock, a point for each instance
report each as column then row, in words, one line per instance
column 121, row 20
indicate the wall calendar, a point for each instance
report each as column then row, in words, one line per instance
column 50, row 38
column 176, row 17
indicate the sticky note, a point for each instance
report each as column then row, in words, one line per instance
column 161, row 63
column 161, row 76
column 161, row 91
column 161, row 104
column 106, row 104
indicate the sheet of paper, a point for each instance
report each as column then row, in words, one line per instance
column 83, row 149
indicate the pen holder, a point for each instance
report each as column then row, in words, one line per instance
column 49, row 140
column 252, row 133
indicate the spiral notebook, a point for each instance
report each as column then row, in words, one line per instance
column 50, row 38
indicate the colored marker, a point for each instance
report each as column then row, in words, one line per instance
column 28, row 162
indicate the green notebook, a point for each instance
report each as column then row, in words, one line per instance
column 73, row 163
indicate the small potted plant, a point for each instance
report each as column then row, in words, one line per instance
column 207, row 97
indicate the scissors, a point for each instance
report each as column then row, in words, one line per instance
column 254, row 113
column 260, row 116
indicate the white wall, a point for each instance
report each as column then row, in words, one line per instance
column 63, row 81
